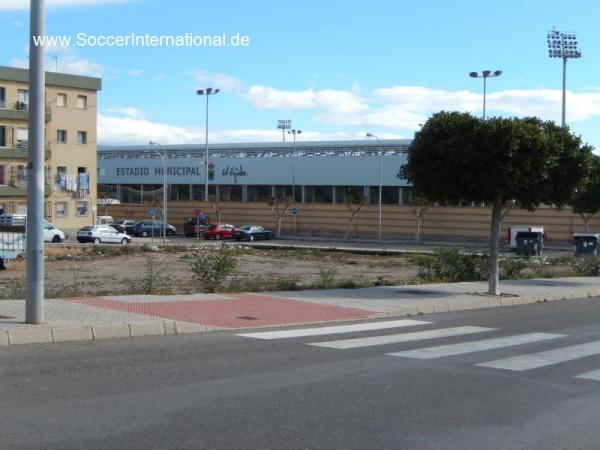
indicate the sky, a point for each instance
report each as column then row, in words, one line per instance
column 337, row 69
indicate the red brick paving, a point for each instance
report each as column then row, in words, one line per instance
column 259, row 310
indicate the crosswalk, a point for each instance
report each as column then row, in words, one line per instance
column 476, row 340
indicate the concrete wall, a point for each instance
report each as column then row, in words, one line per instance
column 452, row 223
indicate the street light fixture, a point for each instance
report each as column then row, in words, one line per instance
column 371, row 135
column 284, row 125
column 563, row 45
column 208, row 92
column 485, row 75
column 294, row 133
column 162, row 156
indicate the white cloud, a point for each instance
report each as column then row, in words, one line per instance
column 159, row 77
column 24, row 4
column 135, row 73
column 217, row 80
column 129, row 112
column 68, row 62
column 18, row 24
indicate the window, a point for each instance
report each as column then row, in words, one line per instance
column 61, row 136
column 23, row 97
column 2, row 97
column 81, row 102
column 2, row 136
column 61, row 209
column 82, row 137
column 61, row 100
column 2, row 175
column 22, row 137
column 82, row 209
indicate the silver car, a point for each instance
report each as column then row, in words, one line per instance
column 102, row 234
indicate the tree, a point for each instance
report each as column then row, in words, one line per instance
column 420, row 206
column 279, row 206
column 216, row 206
column 457, row 157
column 586, row 200
column 354, row 208
column 105, row 199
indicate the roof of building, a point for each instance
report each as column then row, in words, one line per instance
column 53, row 79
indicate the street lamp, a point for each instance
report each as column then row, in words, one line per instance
column 294, row 133
column 208, row 92
column 371, row 135
column 563, row 45
column 485, row 75
column 161, row 155
column 284, row 125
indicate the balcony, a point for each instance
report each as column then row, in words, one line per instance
column 20, row 191
column 19, row 111
column 18, row 149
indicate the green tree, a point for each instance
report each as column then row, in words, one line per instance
column 586, row 200
column 526, row 162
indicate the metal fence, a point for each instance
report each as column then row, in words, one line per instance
column 13, row 238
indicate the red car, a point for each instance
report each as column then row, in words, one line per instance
column 219, row 231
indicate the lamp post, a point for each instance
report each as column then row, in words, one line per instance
column 284, row 125
column 371, row 135
column 563, row 45
column 162, row 156
column 208, row 92
column 294, row 133
column 485, row 75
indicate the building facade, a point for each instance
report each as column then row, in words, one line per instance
column 309, row 172
column 70, row 146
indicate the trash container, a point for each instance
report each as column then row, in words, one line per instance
column 586, row 244
column 530, row 243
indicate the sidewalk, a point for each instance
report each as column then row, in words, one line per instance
column 94, row 318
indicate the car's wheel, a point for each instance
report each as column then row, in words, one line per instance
column 144, row 234
column 56, row 238
column 124, row 241
column 218, row 237
column 238, row 239
column 96, row 241
column 251, row 238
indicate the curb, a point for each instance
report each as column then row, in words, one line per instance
column 47, row 335
column 56, row 335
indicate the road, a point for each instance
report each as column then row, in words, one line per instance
column 487, row 379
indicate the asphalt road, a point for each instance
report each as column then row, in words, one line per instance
column 223, row 391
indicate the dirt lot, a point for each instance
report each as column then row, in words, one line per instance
column 112, row 270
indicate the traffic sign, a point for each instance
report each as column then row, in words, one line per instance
column 152, row 212
column 294, row 211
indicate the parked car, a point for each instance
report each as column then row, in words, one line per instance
column 102, row 234
column 104, row 220
column 192, row 227
column 252, row 233
column 147, row 228
column 219, row 231
column 52, row 234
column 124, row 226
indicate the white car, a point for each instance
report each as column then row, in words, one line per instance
column 102, row 234
column 52, row 234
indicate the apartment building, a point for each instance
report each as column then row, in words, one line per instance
column 70, row 146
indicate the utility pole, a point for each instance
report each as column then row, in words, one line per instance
column 34, row 305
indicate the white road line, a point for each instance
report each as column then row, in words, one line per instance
column 475, row 346
column 546, row 358
column 369, row 326
column 403, row 337
column 593, row 375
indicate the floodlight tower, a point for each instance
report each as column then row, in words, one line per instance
column 207, row 92
column 485, row 75
column 563, row 45
column 284, row 125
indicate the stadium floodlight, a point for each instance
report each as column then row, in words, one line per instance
column 284, row 125
column 208, row 92
column 563, row 45
column 485, row 75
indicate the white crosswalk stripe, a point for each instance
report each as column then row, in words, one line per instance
column 593, row 375
column 546, row 358
column 402, row 337
column 475, row 346
column 369, row 326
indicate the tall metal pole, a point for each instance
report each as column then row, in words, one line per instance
column 206, row 143
column 484, row 94
column 564, row 93
column 294, row 171
column 34, row 306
